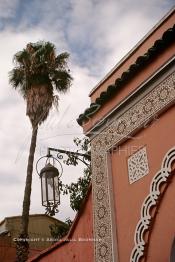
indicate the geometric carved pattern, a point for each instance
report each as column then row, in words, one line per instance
column 138, row 165
column 151, row 201
column 137, row 116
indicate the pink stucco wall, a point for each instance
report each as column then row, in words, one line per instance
column 158, row 137
column 80, row 246
column 8, row 251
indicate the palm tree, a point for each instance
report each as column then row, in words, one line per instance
column 38, row 72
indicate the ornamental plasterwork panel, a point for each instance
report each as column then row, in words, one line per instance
column 152, row 200
column 135, row 117
column 138, row 165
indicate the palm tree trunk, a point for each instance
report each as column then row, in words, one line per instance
column 22, row 245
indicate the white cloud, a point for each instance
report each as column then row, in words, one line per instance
column 7, row 8
column 98, row 34
column 15, row 133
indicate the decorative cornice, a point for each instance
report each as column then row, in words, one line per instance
column 167, row 38
column 150, row 202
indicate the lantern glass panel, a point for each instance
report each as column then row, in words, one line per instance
column 50, row 189
column 43, row 188
column 57, row 193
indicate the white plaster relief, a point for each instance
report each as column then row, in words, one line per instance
column 151, row 201
column 138, row 165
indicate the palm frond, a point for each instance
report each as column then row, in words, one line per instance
column 61, row 60
column 22, row 58
column 61, row 80
column 44, row 51
column 16, row 77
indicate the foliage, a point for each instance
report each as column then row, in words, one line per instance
column 38, row 64
column 84, row 147
column 78, row 190
column 58, row 230
column 37, row 73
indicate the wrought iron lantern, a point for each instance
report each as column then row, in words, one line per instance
column 50, row 185
column 50, row 176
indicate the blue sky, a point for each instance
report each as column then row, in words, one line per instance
column 97, row 34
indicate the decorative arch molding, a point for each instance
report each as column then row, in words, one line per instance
column 150, row 202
